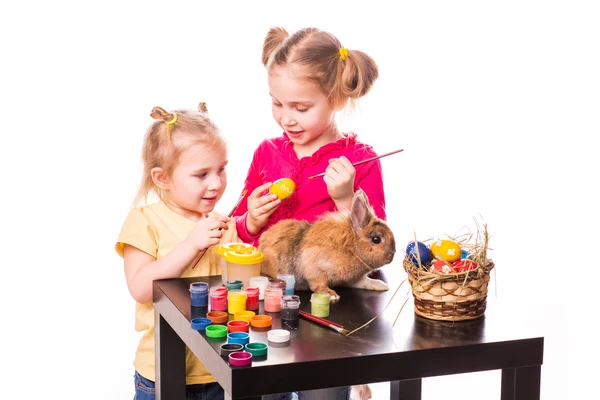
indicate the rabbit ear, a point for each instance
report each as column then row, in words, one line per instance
column 361, row 212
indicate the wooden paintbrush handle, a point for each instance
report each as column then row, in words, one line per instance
column 320, row 320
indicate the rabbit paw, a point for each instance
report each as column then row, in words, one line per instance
column 361, row 392
column 371, row 284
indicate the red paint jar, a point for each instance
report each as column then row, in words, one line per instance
column 218, row 298
column 252, row 294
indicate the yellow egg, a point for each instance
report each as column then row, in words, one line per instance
column 445, row 250
column 283, row 188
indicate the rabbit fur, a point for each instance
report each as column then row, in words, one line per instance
column 339, row 249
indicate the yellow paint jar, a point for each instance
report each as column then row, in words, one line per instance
column 236, row 301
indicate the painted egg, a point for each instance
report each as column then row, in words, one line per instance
column 423, row 252
column 446, row 250
column 283, row 188
column 464, row 265
column 464, row 254
column 441, row 267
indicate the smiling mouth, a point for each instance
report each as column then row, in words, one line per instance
column 294, row 133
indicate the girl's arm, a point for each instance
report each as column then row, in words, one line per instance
column 141, row 268
column 253, row 181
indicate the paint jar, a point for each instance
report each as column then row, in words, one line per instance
column 252, row 294
column 273, row 299
column 261, row 282
column 240, row 261
column 290, row 281
column 319, row 304
column 234, row 285
column 236, row 301
column 218, row 298
column 289, row 308
column 277, row 284
column 199, row 294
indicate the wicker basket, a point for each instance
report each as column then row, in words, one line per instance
column 449, row 297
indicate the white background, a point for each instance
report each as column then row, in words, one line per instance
column 495, row 103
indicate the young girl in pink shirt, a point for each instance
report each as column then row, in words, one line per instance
column 311, row 77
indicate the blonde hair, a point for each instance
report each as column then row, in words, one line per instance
column 316, row 56
column 166, row 139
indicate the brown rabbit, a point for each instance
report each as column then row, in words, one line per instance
column 339, row 249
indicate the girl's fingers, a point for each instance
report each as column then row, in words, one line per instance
column 257, row 193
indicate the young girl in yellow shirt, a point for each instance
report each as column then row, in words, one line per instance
column 184, row 160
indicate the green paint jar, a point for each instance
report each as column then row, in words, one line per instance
column 319, row 304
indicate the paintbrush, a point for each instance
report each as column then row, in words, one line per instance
column 363, row 161
column 321, row 321
column 199, row 256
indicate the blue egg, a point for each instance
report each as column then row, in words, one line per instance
column 463, row 254
column 424, row 253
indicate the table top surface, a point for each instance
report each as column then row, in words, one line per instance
column 311, row 342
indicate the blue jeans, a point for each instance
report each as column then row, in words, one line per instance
column 336, row 393
column 144, row 390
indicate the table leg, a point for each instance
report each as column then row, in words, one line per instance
column 521, row 383
column 169, row 352
column 405, row 390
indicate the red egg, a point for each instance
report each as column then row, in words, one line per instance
column 441, row 267
column 464, row 265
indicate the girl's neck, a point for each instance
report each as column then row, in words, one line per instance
column 330, row 135
column 193, row 216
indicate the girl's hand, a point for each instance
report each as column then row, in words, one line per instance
column 260, row 208
column 207, row 232
column 339, row 178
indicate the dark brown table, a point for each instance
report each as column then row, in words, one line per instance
column 317, row 357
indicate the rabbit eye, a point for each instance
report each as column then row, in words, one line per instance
column 376, row 239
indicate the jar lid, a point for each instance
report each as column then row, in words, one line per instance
column 278, row 335
column 216, row 331
column 257, row 349
column 200, row 324
column 234, row 246
column 261, row 321
column 244, row 256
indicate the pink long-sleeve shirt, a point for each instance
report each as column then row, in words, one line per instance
column 275, row 159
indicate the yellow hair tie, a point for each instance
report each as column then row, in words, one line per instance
column 169, row 126
column 173, row 120
column 343, row 53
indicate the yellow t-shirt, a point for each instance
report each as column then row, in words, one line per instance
column 155, row 229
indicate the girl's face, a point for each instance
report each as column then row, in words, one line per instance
column 301, row 109
column 198, row 181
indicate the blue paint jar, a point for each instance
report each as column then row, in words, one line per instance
column 199, row 294
column 290, row 282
